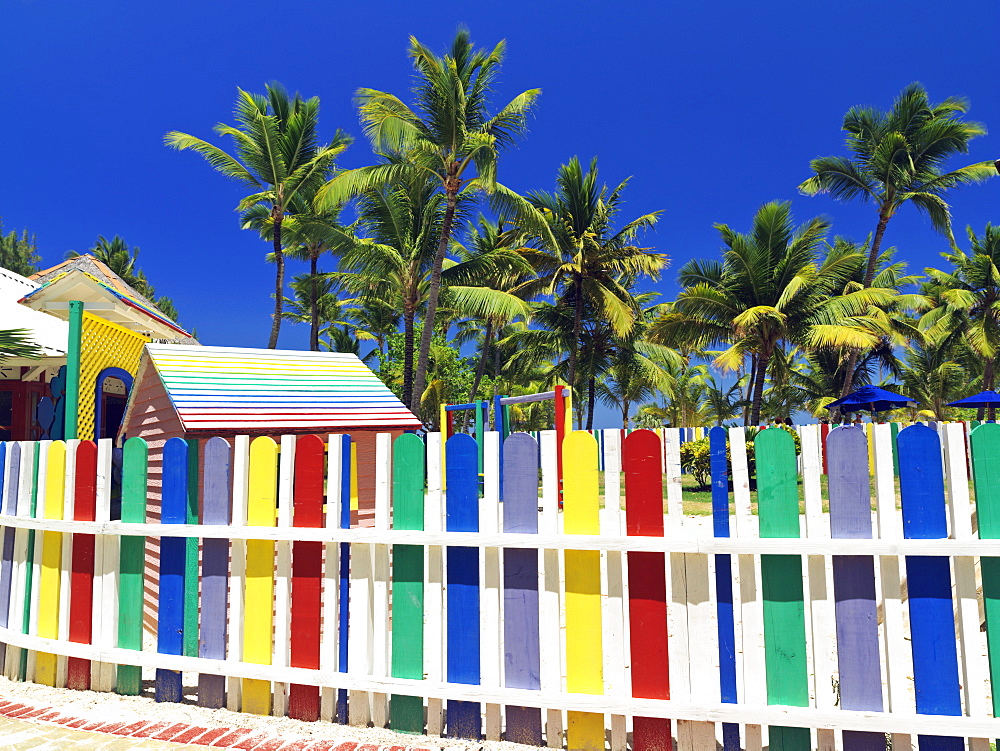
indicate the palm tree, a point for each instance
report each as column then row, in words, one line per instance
column 583, row 259
column 307, row 234
column 769, row 290
column 969, row 298
column 401, row 224
column 278, row 156
column 721, row 402
column 898, row 157
column 396, row 258
column 448, row 136
column 490, row 257
column 933, row 375
column 686, row 406
column 888, row 319
column 373, row 313
column 819, row 375
column 637, row 371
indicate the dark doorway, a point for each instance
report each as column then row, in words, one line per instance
column 114, row 396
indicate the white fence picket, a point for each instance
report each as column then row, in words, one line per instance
column 434, row 604
column 237, row 566
column 549, row 588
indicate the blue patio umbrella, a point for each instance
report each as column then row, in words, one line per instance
column 988, row 398
column 871, row 399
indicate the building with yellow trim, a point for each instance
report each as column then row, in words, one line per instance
column 117, row 323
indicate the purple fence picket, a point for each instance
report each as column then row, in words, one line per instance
column 520, row 582
column 216, row 509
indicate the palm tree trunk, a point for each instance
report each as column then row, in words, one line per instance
column 626, row 404
column 496, row 372
column 452, row 185
column 279, row 281
column 748, row 396
column 409, row 312
column 988, row 377
column 758, row 386
column 314, row 302
column 852, row 360
column 481, row 367
column 591, row 400
column 380, row 341
column 577, row 330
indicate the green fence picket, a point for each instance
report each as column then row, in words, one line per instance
column 781, row 578
column 131, row 562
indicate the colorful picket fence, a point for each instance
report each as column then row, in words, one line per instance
column 613, row 620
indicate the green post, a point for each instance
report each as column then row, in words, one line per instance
column 73, row 367
column 481, row 408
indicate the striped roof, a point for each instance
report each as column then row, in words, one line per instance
column 235, row 389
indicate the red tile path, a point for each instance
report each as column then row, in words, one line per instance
column 235, row 738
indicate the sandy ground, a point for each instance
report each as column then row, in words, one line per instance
column 107, row 707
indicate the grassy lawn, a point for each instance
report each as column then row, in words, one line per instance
column 697, row 501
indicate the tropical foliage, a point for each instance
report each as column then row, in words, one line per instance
column 18, row 343
column 278, row 156
column 18, row 252
column 449, row 137
column 458, row 288
column 900, row 157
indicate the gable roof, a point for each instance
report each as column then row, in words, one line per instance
column 88, row 279
column 265, row 390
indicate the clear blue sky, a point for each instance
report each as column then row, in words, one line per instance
column 712, row 108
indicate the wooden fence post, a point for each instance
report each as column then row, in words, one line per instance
column 259, row 585
column 215, row 571
column 854, row 582
column 520, row 581
column 132, row 562
column 81, row 616
column 932, row 623
column 406, row 713
column 781, row 583
column 173, row 565
column 584, row 654
column 647, row 586
column 985, row 445
column 307, row 575
column 8, row 499
column 462, row 590
column 725, row 611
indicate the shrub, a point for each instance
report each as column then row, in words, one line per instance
column 696, row 456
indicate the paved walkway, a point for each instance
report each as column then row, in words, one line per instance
column 16, row 735
column 45, row 729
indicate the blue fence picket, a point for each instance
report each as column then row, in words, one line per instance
column 520, row 586
column 854, row 582
column 462, row 582
column 345, row 568
column 215, row 570
column 719, row 465
column 932, row 622
column 173, row 559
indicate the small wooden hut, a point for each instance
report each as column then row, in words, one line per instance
column 200, row 392
column 195, row 392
